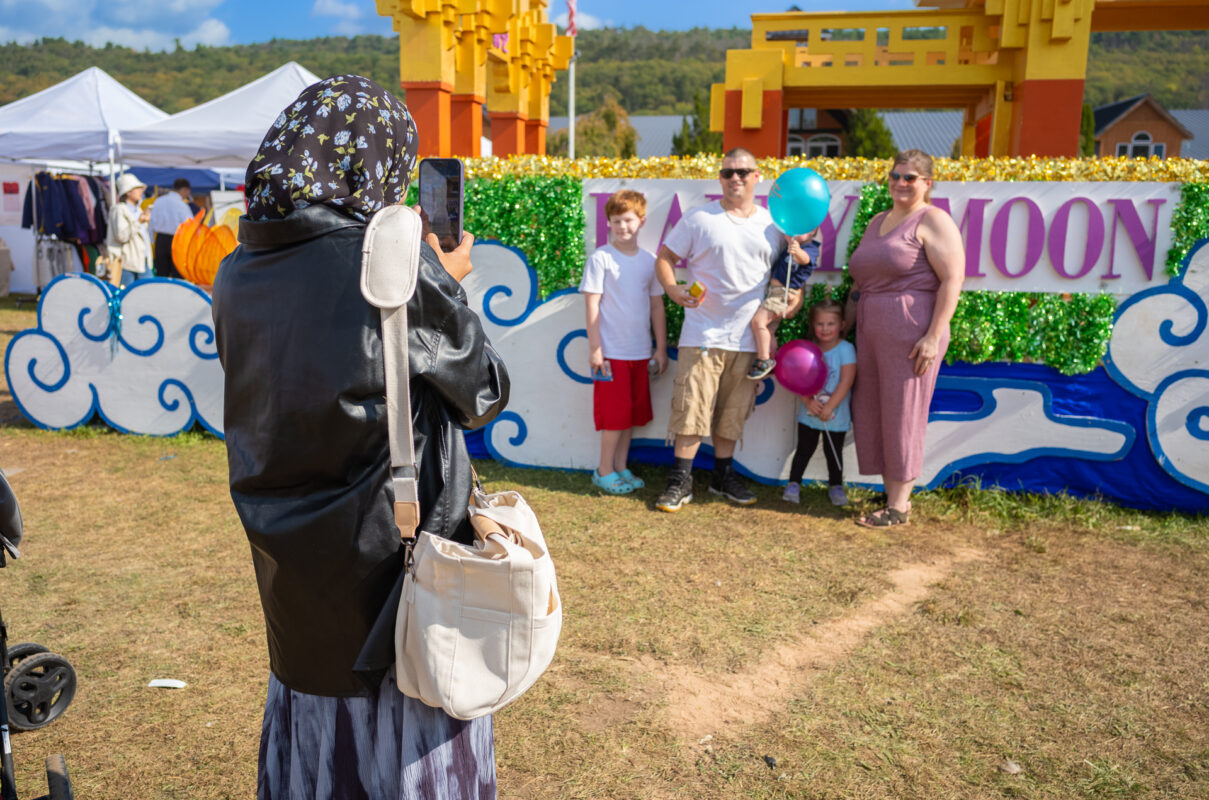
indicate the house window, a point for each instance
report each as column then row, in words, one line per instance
column 823, row 144
column 796, row 146
column 1142, row 146
column 803, row 119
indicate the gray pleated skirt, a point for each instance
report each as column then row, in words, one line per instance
column 387, row 747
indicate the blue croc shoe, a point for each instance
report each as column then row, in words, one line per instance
column 612, row 483
column 632, row 479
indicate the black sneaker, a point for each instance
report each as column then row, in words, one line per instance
column 679, row 491
column 760, row 368
column 731, row 486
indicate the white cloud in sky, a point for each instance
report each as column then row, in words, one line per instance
column 350, row 19
column 335, row 8
column 583, row 21
column 140, row 24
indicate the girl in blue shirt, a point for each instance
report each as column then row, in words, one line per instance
column 827, row 412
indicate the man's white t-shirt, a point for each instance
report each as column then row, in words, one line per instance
column 626, row 285
column 732, row 257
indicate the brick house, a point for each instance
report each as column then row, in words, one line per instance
column 1138, row 127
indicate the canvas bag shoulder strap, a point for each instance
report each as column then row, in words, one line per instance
column 390, row 261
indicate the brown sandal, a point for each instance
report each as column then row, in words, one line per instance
column 885, row 518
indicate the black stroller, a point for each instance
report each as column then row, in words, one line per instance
column 38, row 685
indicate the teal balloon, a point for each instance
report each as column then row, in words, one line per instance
column 798, row 201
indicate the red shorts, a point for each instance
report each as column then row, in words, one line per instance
column 625, row 401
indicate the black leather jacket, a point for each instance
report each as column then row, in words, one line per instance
column 306, row 436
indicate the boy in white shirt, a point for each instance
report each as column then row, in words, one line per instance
column 624, row 304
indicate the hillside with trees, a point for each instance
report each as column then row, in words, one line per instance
column 649, row 72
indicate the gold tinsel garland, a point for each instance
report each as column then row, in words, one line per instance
column 1014, row 168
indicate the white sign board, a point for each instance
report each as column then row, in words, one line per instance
column 1034, row 236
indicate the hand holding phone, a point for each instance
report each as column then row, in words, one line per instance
column 442, row 182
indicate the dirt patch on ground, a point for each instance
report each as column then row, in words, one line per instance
column 701, row 704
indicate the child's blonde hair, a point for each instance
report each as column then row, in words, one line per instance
column 623, row 201
column 827, row 304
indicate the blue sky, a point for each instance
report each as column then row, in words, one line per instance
column 156, row 24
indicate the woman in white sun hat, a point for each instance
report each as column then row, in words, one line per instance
column 128, row 230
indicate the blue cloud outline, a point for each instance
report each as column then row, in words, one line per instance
column 94, row 408
column 1174, row 286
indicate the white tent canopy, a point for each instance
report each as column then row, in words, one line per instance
column 224, row 132
column 77, row 119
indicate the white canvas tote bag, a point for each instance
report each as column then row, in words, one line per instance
column 477, row 625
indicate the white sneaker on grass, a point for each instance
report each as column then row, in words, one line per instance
column 792, row 494
column 837, row 496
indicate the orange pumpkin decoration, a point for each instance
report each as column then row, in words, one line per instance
column 198, row 249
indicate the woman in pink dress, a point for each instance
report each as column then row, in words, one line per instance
column 906, row 276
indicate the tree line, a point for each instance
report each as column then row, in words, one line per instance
column 643, row 71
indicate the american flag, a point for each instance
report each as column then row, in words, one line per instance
column 571, row 29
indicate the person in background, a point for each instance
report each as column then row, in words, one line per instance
column 623, row 303
column 304, row 408
column 906, row 278
column 730, row 245
column 167, row 213
column 127, row 237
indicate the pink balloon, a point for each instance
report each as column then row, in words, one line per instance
column 800, row 367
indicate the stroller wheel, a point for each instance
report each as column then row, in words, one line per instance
column 56, row 778
column 21, row 651
column 38, row 690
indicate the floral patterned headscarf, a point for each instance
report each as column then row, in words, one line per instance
column 345, row 142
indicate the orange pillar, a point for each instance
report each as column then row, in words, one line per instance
column 1045, row 117
column 535, row 136
column 766, row 141
column 507, row 133
column 466, row 136
column 982, row 137
column 429, row 104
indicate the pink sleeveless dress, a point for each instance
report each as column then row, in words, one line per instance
column 890, row 402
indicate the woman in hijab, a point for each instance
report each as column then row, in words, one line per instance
column 309, row 462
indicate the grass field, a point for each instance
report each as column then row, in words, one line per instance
column 1002, row 646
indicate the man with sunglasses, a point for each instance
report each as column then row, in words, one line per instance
column 729, row 245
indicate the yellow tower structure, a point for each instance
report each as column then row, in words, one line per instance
column 1016, row 68
column 457, row 55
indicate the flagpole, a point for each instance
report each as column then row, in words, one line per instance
column 571, row 108
column 572, row 30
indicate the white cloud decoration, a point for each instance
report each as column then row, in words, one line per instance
column 548, row 421
column 143, row 359
column 1159, row 351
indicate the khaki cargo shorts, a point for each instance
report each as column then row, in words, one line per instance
column 711, row 395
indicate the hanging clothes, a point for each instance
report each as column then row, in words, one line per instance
column 69, row 215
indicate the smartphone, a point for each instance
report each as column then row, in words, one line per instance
column 601, row 376
column 442, row 181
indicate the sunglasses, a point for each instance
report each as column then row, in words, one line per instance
column 898, row 176
column 728, row 173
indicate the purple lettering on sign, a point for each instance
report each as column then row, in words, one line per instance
column 1057, row 237
column 1144, row 245
column 972, row 218
column 1034, row 241
column 673, row 216
column 602, row 221
column 829, row 230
